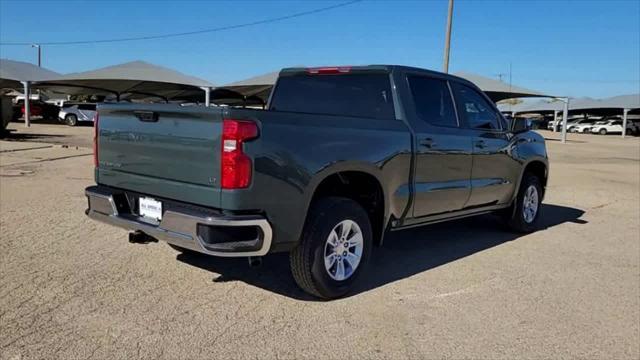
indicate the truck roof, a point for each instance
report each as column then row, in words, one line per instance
column 374, row 68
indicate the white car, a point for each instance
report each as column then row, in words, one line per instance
column 581, row 125
column 70, row 114
column 570, row 121
column 611, row 127
column 582, row 128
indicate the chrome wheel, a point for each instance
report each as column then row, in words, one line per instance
column 343, row 250
column 71, row 120
column 530, row 204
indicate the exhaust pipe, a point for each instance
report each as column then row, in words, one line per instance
column 255, row 262
column 138, row 237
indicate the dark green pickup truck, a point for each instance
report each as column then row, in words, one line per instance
column 340, row 156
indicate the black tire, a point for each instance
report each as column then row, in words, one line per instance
column 71, row 120
column 514, row 216
column 603, row 132
column 307, row 259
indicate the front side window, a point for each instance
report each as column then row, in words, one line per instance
column 432, row 100
column 473, row 107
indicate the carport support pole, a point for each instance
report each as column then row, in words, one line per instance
column 555, row 120
column 624, row 122
column 27, row 107
column 565, row 112
column 207, row 96
column 447, row 41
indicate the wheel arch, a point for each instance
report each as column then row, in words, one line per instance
column 537, row 166
column 362, row 183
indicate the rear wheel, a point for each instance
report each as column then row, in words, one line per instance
column 525, row 211
column 334, row 249
column 603, row 131
column 71, row 120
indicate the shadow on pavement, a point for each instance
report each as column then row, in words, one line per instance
column 404, row 253
column 568, row 140
column 11, row 135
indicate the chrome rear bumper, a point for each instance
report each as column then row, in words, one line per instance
column 180, row 228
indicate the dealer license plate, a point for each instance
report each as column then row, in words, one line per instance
column 150, row 208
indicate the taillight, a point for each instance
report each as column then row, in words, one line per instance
column 95, row 140
column 235, row 164
column 329, row 70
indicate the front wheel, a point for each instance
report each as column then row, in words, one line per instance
column 603, row 131
column 71, row 120
column 334, row 249
column 525, row 211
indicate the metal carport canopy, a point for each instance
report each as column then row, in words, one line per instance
column 13, row 73
column 540, row 106
column 136, row 77
column 19, row 75
column 498, row 90
column 258, row 86
column 623, row 104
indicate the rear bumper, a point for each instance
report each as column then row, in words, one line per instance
column 187, row 227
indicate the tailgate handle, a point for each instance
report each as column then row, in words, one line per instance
column 146, row 116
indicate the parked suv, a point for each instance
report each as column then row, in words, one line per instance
column 71, row 113
column 612, row 125
column 340, row 157
column 580, row 124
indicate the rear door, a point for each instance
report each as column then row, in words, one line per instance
column 443, row 148
column 494, row 172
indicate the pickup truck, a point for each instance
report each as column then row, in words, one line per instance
column 339, row 157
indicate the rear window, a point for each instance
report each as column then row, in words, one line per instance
column 358, row 95
column 91, row 107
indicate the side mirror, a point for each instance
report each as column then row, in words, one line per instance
column 521, row 125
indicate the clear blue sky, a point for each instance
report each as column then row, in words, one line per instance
column 575, row 48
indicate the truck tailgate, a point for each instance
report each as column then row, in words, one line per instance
column 164, row 150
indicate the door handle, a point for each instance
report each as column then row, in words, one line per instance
column 480, row 144
column 428, row 143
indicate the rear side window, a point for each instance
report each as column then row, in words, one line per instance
column 477, row 111
column 432, row 100
column 358, row 95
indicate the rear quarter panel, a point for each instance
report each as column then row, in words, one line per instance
column 295, row 152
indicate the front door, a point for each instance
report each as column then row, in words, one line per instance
column 495, row 171
column 443, row 148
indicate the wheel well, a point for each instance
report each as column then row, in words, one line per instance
column 539, row 169
column 360, row 187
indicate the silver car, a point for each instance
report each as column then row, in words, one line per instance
column 71, row 114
